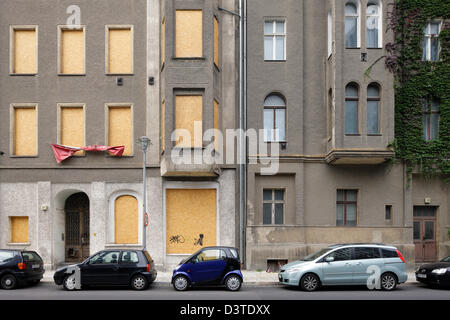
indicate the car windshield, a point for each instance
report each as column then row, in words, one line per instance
column 315, row 255
column 446, row 259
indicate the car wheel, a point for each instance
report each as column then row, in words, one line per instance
column 8, row 282
column 233, row 282
column 388, row 281
column 180, row 283
column 139, row 282
column 309, row 282
column 69, row 282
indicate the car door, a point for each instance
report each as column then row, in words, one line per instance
column 102, row 268
column 208, row 266
column 364, row 259
column 338, row 271
column 128, row 264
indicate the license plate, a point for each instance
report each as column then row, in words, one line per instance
column 421, row 275
column 36, row 266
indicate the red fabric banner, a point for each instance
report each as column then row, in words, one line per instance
column 63, row 152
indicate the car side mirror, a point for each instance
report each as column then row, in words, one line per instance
column 329, row 259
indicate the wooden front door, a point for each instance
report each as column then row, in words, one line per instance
column 77, row 227
column 424, row 223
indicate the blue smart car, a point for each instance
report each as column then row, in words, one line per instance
column 209, row 266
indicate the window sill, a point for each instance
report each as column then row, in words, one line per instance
column 374, row 134
column 119, row 74
column 189, row 58
column 18, row 244
column 356, row 48
column 23, row 74
column 15, row 156
column 275, row 60
column 352, row 134
column 375, row 48
column 72, row 74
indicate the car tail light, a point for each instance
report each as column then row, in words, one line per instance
column 400, row 256
column 148, row 267
column 21, row 266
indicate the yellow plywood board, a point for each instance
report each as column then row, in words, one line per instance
column 191, row 219
column 120, row 128
column 189, row 33
column 19, row 229
column 216, row 41
column 189, row 109
column 72, row 51
column 120, row 51
column 25, row 51
column 25, row 140
column 72, row 127
column 216, row 124
column 126, row 220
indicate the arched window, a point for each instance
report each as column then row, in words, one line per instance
column 126, row 213
column 274, row 118
column 373, row 109
column 373, row 24
column 352, row 24
column 351, row 108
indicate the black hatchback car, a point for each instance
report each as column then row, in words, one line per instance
column 134, row 268
column 437, row 274
column 19, row 267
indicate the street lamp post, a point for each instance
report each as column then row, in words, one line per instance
column 144, row 142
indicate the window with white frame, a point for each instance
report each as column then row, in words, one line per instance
column 373, row 109
column 273, row 206
column 274, row 119
column 430, row 45
column 352, row 31
column 373, row 24
column 430, row 120
column 275, row 40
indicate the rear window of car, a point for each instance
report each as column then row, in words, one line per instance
column 362, row 253
column 389, row 253
column 30, row 256
column 6, row 256
column 147, row 255
column 234, row 253
column 129, row 257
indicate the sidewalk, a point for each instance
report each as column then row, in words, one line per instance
column 250, row 278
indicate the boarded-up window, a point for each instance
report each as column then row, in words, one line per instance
column 19, row 229
column 188, row 117
column 126, row 220
column 24, row 55
column 120, row 50
column 191, row 220
column 163, row 41
column 72, row 127
column 163, row 125
column 189, row 33
column 216, row 125
column 120, row 128
column 25, row 131
column 72, row 51
column 216, row 41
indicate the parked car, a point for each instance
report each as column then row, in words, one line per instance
column 19, row 267
column 209, row 266
column 347, row 264
column 437, row 274
column 113, row 267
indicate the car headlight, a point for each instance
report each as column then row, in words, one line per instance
column 439, row 271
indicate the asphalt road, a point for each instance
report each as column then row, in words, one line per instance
column 163, row 291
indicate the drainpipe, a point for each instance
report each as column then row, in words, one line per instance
column 244, row 89
column 242, row 128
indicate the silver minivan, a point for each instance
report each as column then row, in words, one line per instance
column 378, row 266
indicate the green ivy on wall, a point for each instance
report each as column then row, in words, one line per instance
column 416, row 80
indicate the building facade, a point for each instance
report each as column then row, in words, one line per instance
column 98, row 73
column 188, row 74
